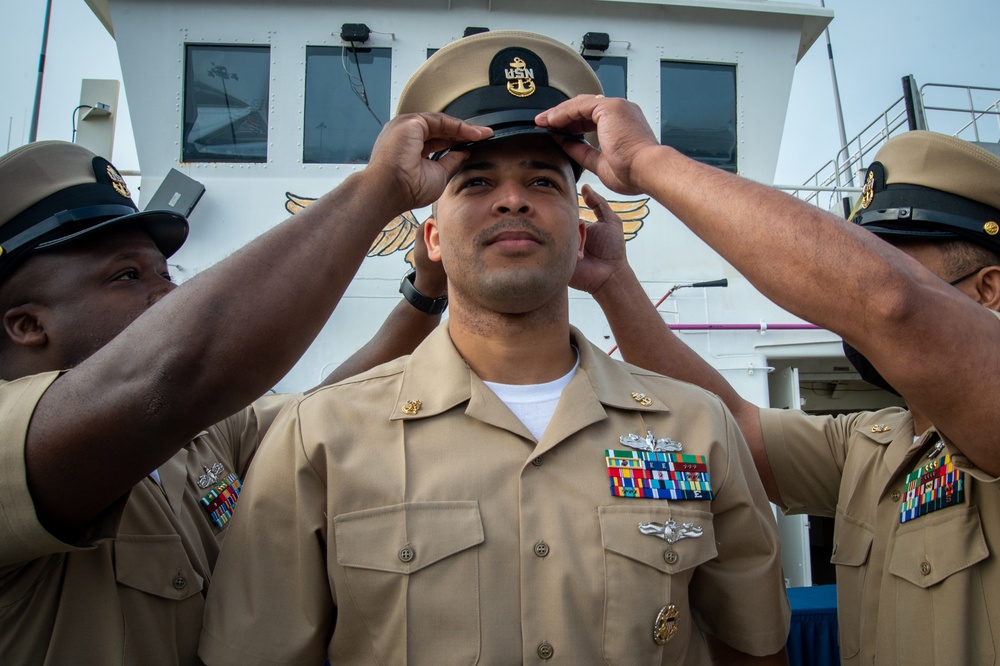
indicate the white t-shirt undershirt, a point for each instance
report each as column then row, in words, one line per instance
column 534, row 404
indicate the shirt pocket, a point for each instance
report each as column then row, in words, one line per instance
column 156, row 565
column 852, row 543
column 413, row 570
column 934, row 561
column 644, row 574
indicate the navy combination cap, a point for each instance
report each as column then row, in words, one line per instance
column 501, row 80
column 53, row 192
column 929, row 186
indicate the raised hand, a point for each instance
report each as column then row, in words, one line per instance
column 604, row 251
column 399, row 157
column 622, row 130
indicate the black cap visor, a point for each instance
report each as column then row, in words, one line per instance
column 911, row 211
column 516, row 122
column 167, row 229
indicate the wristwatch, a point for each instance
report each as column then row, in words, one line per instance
column 432, row 306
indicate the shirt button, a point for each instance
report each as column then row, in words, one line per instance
column 541, row 549
column 545, row 651
column 406, row 554
column 179, row 582
column 925, row 568
column 537, row 462
column 670, row 557
column 895, row 495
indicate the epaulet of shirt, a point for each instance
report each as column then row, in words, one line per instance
column 884, row 425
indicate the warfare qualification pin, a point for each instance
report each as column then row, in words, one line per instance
column 671, row 531
column 649, row 443
column 665, row 625
column 211, row 476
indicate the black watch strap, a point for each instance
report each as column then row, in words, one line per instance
column 432, row 306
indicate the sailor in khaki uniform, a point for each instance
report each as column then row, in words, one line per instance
column 134, row 586
column 507, row 493
column 115, row 488
column 914, row 492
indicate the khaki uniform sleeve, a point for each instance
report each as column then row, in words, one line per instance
column 270, row 602
column 739, row 596
column 22, row 536
column 807, row 455
column 244, row 431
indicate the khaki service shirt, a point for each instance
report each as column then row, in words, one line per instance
column 926, row 591
column 376, row 529
column 131, row 591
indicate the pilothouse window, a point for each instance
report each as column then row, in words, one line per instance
column 225, row 103
column 698, row 111
column 612, row 72
column 347, row 101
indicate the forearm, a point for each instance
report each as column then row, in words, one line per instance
column 797, row 255
column 200, row 354
column 830, row 272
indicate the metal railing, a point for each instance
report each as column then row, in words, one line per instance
column 968, row 112
column 962, row 118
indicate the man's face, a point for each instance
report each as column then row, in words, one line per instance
column 508, row 227
column 92, row 289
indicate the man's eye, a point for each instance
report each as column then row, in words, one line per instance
column 130, row 274
column 473, row 182
column 544, row 182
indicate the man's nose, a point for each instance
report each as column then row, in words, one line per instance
column 512, row 199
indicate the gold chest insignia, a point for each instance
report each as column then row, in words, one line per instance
column 665, row 625
column 520, row 79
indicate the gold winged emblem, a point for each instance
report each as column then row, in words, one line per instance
column 396, row 236
column 633, row 213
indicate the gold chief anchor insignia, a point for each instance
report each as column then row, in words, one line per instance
column 412, row 407
column 520, row 79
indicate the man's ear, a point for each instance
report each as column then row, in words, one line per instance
column 988, row 287
column 23, row 325
column 583, row 240
column 431, row 239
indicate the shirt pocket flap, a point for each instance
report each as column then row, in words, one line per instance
column 852, row 541
column 621, row 534
column 933, row 547
column 405, row 538
column 157, row 565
